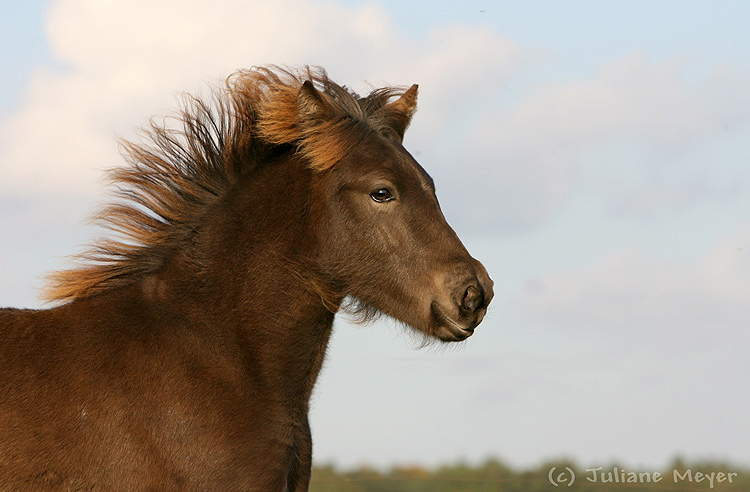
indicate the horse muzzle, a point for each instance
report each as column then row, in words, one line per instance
column 465, row 294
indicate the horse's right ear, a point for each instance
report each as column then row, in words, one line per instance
column 312, row 108
column 399, row 112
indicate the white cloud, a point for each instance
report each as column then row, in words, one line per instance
column 560, row 134
column 642, row 201
column 125, row 61
column 629, row 297
column 727, row 269
column 630, row 98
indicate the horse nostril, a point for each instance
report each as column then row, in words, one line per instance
column 472, row 298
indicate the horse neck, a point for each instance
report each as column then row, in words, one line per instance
column 249, row 285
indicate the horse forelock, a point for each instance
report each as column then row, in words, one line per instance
column 186, row 163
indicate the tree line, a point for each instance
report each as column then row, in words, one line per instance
column 495, row 476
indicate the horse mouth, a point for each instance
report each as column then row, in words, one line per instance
column 447, row 329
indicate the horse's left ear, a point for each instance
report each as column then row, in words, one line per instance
column 399, row 112
column 312, row 107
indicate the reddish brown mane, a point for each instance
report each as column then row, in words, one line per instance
column 177, row 174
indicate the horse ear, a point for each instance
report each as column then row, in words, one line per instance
column 312, row 108
column 399, row 112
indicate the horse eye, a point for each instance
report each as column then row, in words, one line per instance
column 382, row 195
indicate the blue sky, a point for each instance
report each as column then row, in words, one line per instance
column 594, row 155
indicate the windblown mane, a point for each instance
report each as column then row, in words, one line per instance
column 177, row 173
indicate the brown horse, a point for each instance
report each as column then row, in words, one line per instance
column 184, row 351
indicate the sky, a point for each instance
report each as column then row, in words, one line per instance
column 593, row 155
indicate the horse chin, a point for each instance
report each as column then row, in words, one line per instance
column 446, row 329
column 451, row 334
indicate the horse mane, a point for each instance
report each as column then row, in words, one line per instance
column 177, row 171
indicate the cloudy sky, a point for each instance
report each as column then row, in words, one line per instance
column 594, row 155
